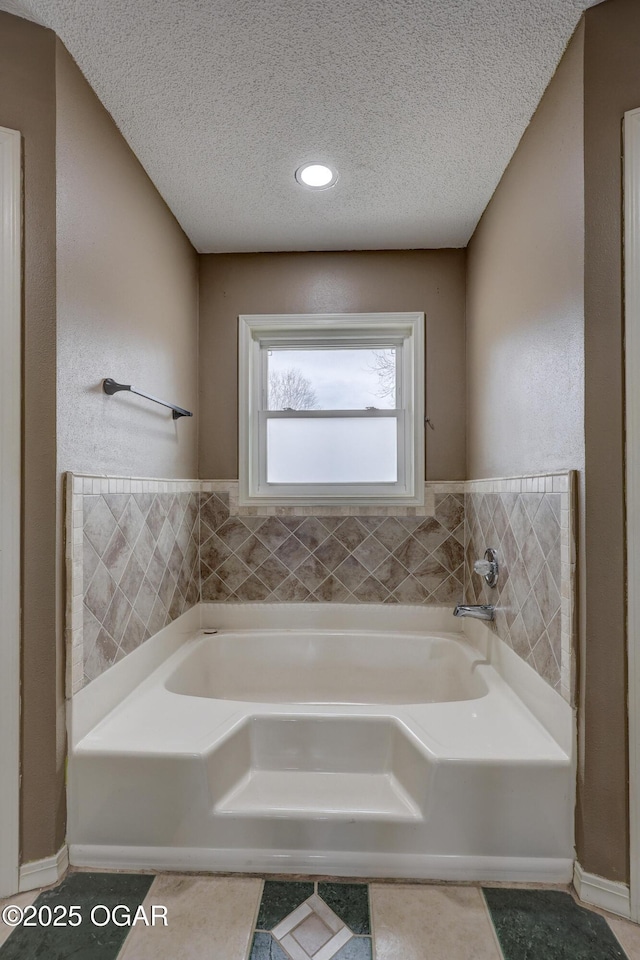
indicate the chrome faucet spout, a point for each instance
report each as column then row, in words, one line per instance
column 478, row 611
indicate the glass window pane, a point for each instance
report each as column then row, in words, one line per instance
column 331, row 379
column 335, row 450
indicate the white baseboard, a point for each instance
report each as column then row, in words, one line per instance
column 606, row 894
column 404, row 866
column 42, row 873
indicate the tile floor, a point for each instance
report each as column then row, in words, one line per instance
column 247, row 918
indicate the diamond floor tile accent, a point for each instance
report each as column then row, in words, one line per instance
column 312, row 930
column 279, row 898
column 312, row 934
column 264, row 947
column 350, row 901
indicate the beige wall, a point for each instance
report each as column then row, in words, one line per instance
column 127, row 308
column 525, row 311
column 127, row 300
column 612, row 86
column 27, row 103
column 427, row 280
column 526, row 407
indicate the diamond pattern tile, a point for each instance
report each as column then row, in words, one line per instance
column 332, row 589
column 90, row 559
column 100, row 526
column 351, row 533
column 147, row 557
column 251, row 589
column 370, row 553
column 272, row 533
column 332, row 559
column 431, row 573
column 411, row 553
column 311, row 533
column 391, row 533
column 291, row 590
column 330, row 922
column 525, row 530
column 390, row 572
column 311, row 573
column 292, row 552
column 233, row 532
column 272, row 572
column 141, row 570
column 213, row 552
column 371, row 591
column 331, row 553
column 430, row 533
column 351, row 573
column 411, row 591
column 252, row 552
column 450, row 511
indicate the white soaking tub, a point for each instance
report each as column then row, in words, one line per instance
column 333, row 667
column 320, row 751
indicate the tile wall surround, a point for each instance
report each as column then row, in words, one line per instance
column 374, row 557
column 132, row 564
column 141, row 552
column 529, row 521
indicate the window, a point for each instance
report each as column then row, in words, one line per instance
column 331, row 409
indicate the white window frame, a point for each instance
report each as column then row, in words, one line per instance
column 256, row 333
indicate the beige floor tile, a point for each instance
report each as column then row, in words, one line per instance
column 628, row 935
column 208, row 919
column 21, row 900
column 431, row 923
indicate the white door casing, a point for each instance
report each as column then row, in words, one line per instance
column 10, row 456
column 632, row 402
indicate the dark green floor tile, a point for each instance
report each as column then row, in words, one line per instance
column 264, row 947
column 549, row 925
column 359, row 948
column 279, row 899
column 350, row 901
column 84, row 942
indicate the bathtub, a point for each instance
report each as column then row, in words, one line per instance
column 356, row 752
column 331, row 667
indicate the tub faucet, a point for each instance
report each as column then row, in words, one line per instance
column 478, row 611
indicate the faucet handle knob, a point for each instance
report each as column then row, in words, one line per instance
column 488, row 568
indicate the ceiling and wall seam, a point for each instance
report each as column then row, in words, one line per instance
column 419, row 105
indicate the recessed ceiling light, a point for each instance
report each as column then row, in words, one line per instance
column 317, row 176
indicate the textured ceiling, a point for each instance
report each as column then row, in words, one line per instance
column 419, row 104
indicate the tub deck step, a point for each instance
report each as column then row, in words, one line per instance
column 304, row 794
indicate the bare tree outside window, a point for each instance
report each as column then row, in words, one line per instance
column 290, row 390
column 384, row 366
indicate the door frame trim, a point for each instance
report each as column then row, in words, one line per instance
column 10, row 502
column 631, row 134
